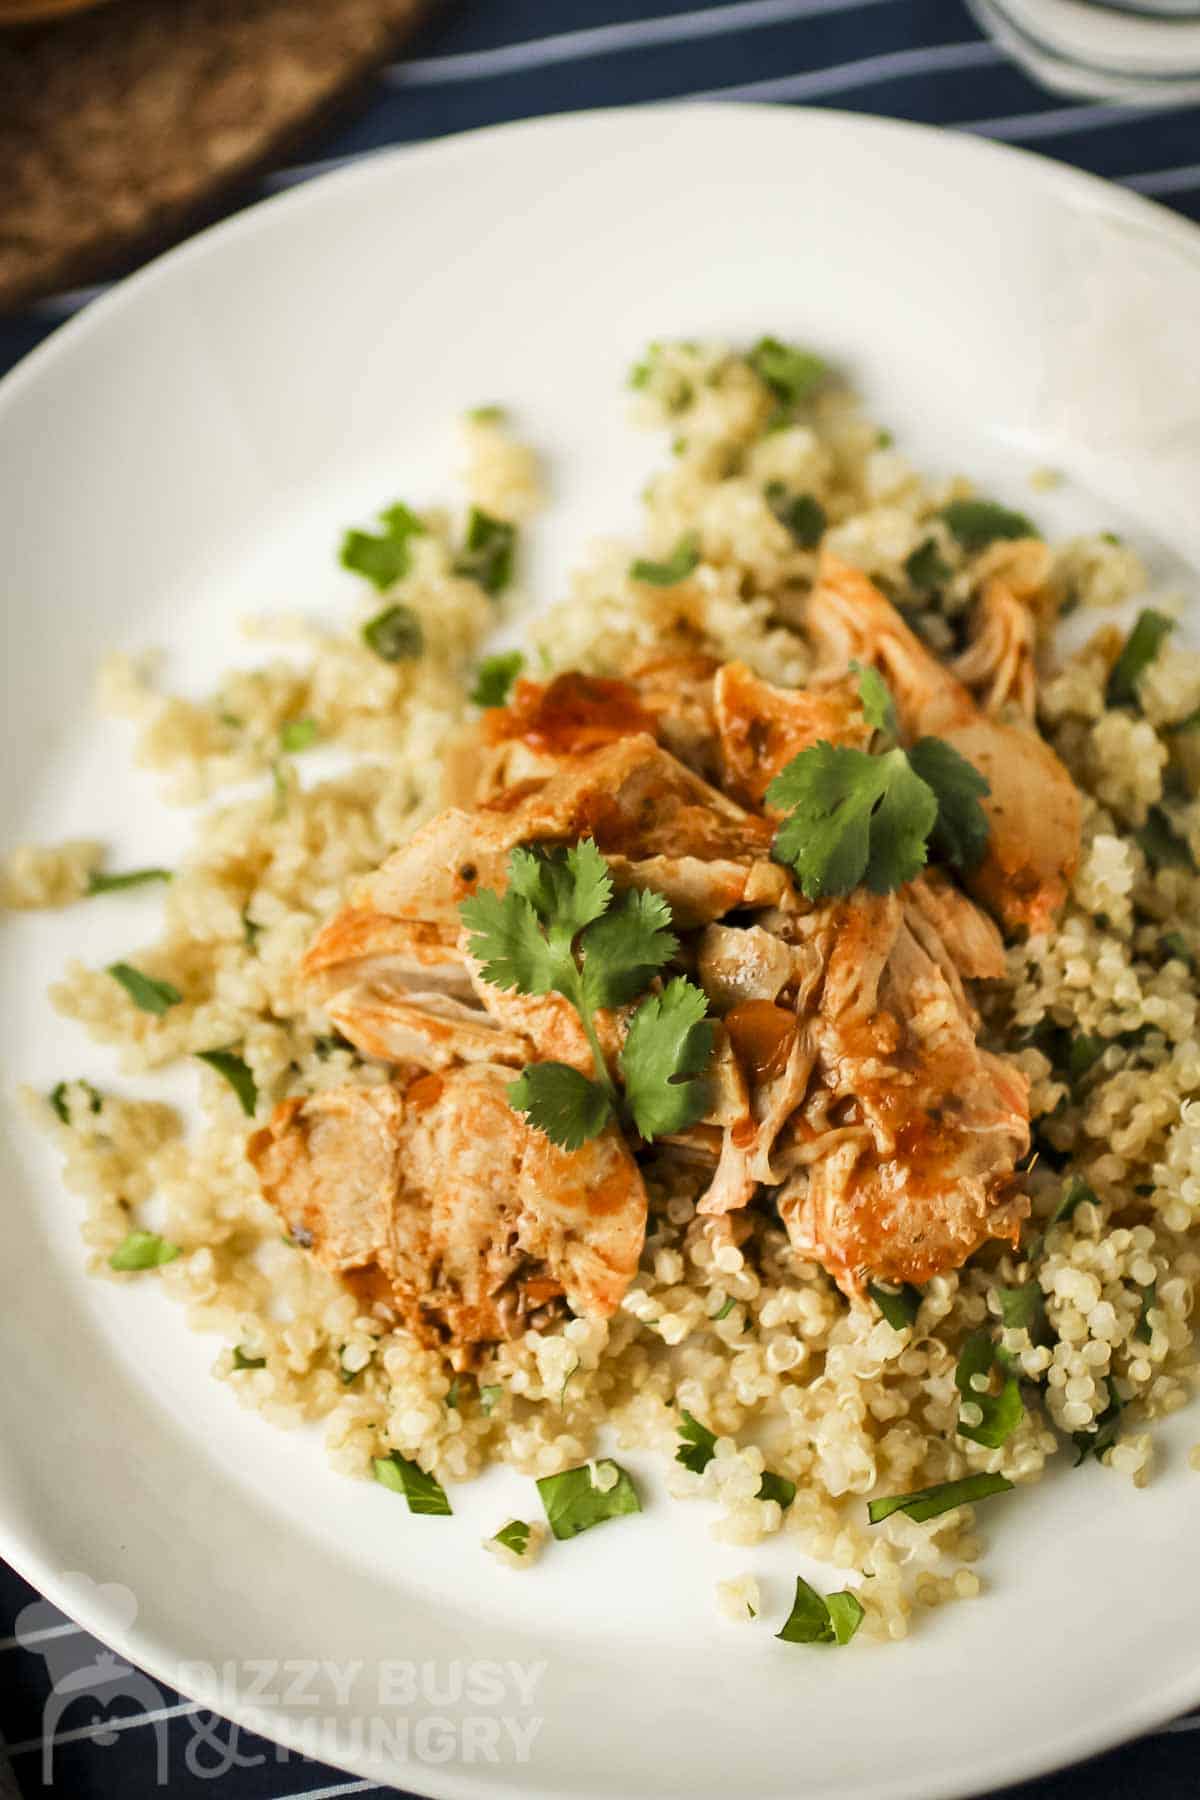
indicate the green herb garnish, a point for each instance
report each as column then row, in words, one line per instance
column 151, row 996
column 143, row 1250
column 486, row 415
column 930, row 1502
column 1074, row 1194
column 514, row 1536
column 395, row 634
column 1162, row 845
column 1143, row 1330
column 58, row 1099
column 817, row 1619
column 1175, row 945
column 802, row 514
column 1143, row 644
column 242, row 1361
column 98, row 883
column 792, row 374
column 899, row 1306
column 558, row 929
column 1022, row 1308
column 384, row 558
column 424, row 1493
column 726, row 1308
column 926, row 567
column 1002, row 1412
column 488, row 552
column 574, row 1503
column 495, row 676
column 978, row 523
column 1104, row 1434
column 297, row 734
column 776, row 1487
column 677, row 567
column 489, row 1394
column 698, row 1445
column 236, row 1071
column 860, row 817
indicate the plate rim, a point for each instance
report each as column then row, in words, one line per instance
column 1077, row 1742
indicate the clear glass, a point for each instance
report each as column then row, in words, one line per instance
column 1144, row 51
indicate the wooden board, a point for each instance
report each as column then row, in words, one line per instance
column 124, row 127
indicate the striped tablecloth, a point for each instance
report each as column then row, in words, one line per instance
column 485, row 61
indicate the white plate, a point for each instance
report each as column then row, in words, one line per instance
column 187, row 451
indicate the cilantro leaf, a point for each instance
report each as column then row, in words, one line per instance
column 395, row 634
column 978, row 523
column 489, row 1393
column 58, row 1099
column 898, row 1306
column 625, row 947
column 817, row 1620
column 236, row 1071
column 1151, row 630
column 1022, row 1308
column 931, row 1502
column 1175, row 945
column 792, row 374
column 1143, row 1331
column 98, row 883
column 488, row 552
column 802, row 514
column 297, row 734
column 1162, row 845
column 879, row 709
column 1074, row 1194
column 424, row 1493
column 1103, row 1435
column 698, row 1446
column 142, row 1250
column 147, row 994
column 508, row 942
column 567, row 889
column 926, row 567
column 677, row 567
column 854, row 818
column 514, row 1536
column 574, row 1503
column 495, row 676
column 776, row 1487
column 242, row 1361
column 561, row 1101
column 665, row 1052
column 1002, row 1412
column 384, row 558
column 960, row 832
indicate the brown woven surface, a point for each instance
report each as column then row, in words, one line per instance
column 121, row 128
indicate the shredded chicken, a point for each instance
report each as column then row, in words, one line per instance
column 847, row 1082
column 435, row 1199
column 1033, row 809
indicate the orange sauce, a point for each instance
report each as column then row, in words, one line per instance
column 572, row 712
column 762, row 1035
column 425, row 1091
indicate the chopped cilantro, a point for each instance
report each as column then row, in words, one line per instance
column 489, row 1394
column 143, row 1250
column 978, row 523
column 792, row 374
column 1103, row 1435
column 926, row 567
column 776, row 1487
column 1022, row 1308
column 98, row 883
column 495, row 676
column 395, row 634
column 488, row 551
column 821, row 1620
column 514, row 1536
column 1162, row 845
column 931, row 1502
column 677, row 567
column 423, row 1492
column 242, row 1361
column 899, row 1306
column 802, row 514
column 574, row 1502
column 58, row 1099
column 486, row 415
column 1143, row 1331
column 149, row 995
column 297, row 734
column 382, row 559
column 698, row 1445
column 960, row 831
column 726, row 1308
column 236, row 1071
column 1002, row 1412
column 1175, row 945
column 1143, row 644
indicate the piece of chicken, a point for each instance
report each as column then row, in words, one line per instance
column 763, row 727
column 1033, row 809
column 998, row 663
column 905, row 1149
column 438, row 1201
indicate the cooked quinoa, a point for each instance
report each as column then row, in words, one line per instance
column 757, row 1343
